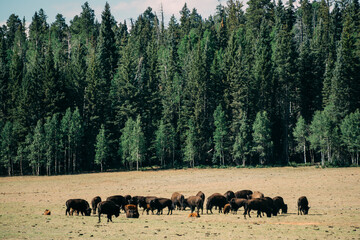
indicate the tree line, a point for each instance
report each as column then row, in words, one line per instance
column 271, row 85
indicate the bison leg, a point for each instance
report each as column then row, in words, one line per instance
column 109, row 217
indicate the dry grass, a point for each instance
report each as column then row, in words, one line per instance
column 333, row 195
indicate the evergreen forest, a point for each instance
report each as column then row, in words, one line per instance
column 267, row 85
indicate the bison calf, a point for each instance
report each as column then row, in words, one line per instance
column 109, row 208
column 303, row 205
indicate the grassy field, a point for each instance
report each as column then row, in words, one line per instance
column 333, row 194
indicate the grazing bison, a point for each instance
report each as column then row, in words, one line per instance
column 256, row 194
column 259, row 204
column 279, row 204
column 109, row 208
column 119, row 200
column 216, row 199
column 178, row 200
column 201, row 194
column 243, row 194
column 270, row 203
column 194, row 202
column 79, row 205
column 303, row 205
column 237, row 203
column 136, row 200
column 229, row 195
column 131, row 211
column 227, row 208
column 94, row 203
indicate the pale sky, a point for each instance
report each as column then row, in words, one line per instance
column 120, row 9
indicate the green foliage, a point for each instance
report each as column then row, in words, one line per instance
column 242, row 147
column 219, row 137
column 101, row 148
column 7, row 150
column 300, row 133
column 262, row 137
column 190, row 148
column 350, row 135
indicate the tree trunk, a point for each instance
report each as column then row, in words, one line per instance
column 305, row 153
column 322, row 158
column 55, row 164
column 21, row 167
column 74, row 162
column 65, row 159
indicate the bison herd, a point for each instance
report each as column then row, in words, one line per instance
column 226, row 203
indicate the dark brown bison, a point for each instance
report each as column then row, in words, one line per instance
column 256, row 194
column 80, row 205
column 201, row 194
column 259, row 204
column 194, row 202
column 127, row 199
column 109, row 208
column 136, row 199
column 159, row 204
column 303, row 205
column 237, row 203
column 216, row 199
column 243, row 194
column 144, row 203
column 119, row 200
column 271, row 204
column 131, row 211
column 178, row 200
column 94, row 203
column 227, row 208
column 229, row 195
column 279, row 204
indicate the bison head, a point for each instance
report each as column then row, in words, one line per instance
column 306, row 210
column 88, row 212
column 284, row 208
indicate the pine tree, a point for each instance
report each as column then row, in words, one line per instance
column 7, row 148
column 300, row 133
column 101, row 148
column 190, row 148
column 219, row 136
column 76, row 132
column 243, row 143
column 262, row 137
column 37, row 149
column 350, row 135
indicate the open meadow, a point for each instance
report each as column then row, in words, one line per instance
column 333, row 194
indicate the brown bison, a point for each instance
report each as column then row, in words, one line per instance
column 80, row 205
column 144, row 202
column 178, row 200
column 271, row 204
column 94, row 203
column 243, row 194
column 131, row 211
column 259, row 204
column 216, row 199
column 109, row 208
column 159, row 204
column 194, row 202
column 227, row 208
column 201, row 194
column 303, row 205
column 229, row 195
column 119, row 200
column 279, row 204
column 237, row 203
column 256, row 194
